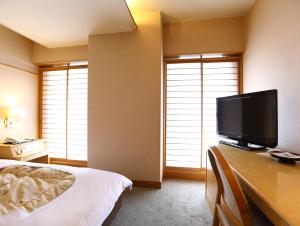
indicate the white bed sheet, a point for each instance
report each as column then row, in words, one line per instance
column 87, row 202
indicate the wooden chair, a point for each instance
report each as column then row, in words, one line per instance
column 231, row 205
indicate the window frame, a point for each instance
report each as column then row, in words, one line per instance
column 42, row 69
column 184, row 172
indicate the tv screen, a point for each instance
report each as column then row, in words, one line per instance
column 249, row 118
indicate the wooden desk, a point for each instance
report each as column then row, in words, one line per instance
column 35, row 152
column 38, row 157
column 274, row 187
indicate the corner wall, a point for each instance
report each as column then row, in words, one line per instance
column 43, row 55
column 271, row 61
column 18, row 83
column 225, row 35
column 16, row 51
column 125, row 100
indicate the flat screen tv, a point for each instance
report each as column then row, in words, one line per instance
column 249, row 119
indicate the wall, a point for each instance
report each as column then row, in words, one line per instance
column 19, row 89
column 43, row 55
column 18, row 86
column 272, row 61
column 16, row 51
column 224, row 35
column 125, row 99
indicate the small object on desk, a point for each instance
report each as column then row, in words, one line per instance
column 10, row 140
column 284, row 156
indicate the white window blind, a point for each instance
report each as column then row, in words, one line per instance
column 219, row 79
column 64, row 113
column 192, row 89
column 183, row 119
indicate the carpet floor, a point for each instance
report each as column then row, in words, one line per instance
column 178, row 203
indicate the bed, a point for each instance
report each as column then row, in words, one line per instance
column 92, row 200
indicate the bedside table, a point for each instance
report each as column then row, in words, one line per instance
column 28, row 152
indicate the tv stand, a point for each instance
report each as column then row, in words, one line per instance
column 242, row 145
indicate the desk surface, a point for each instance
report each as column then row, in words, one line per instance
column 31, row 151
column 273, row 186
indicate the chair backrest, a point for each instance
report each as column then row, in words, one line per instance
column 231, row 205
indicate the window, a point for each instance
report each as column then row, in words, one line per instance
column 64, row 111
column 183, row 119
column 191, row 92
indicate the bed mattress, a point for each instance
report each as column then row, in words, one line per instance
column 88, row 202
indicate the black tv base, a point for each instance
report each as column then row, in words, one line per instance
column 242, row 145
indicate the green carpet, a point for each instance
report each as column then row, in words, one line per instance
column 179, row 202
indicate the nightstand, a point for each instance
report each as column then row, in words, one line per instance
column 29, row 152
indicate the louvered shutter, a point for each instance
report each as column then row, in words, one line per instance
column 64, row 113
column 191, row 94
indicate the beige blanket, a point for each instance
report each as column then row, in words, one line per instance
column 27, row 188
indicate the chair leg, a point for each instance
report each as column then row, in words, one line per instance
column 216, row 221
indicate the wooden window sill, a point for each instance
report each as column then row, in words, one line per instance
column 66, row 162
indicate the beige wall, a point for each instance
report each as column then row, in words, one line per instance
column 18, row 89
column 224, row 35
column 272, row 61
column 15, row 50
column 124, row 100
column 43, row 55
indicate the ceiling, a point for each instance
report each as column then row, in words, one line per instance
column 57, row 23
column 181, row 10
column 60, row 23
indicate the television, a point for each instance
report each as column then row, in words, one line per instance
column 249, row 119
